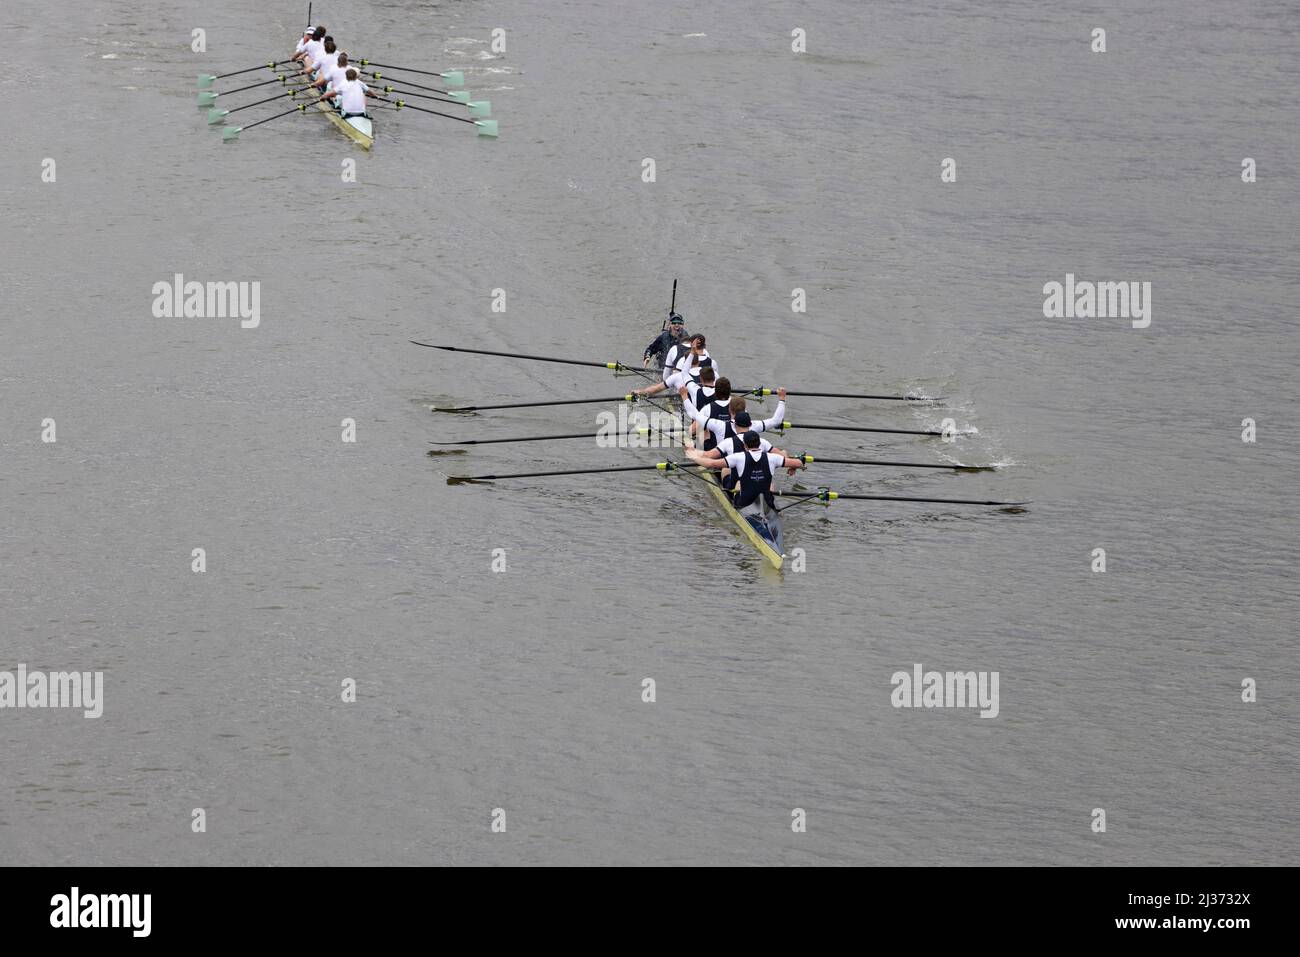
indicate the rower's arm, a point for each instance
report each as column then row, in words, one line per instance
column 775, row 421
column 706, row 459
column 655, row 347
column 695, row 414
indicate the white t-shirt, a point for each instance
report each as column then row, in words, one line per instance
column 326, row 63
column 335, row 75
column 315, row 50
column 719, row 426
column 685, row 359
column 352, row 96
column 732, row 446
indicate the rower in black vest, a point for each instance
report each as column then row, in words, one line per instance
column 722, row 424
column 754, row 471
column 710, row 396
column 755, row 476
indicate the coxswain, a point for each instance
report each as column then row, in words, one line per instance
column 660, row 350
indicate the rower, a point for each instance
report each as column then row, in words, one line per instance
column 332, row 74
column 312, row 50
column 663, row 350
column 754, row 473
column 735, row 442
column 676, row 374
column 351, row 95
column 725, row 427
column 328, row 60
column 712, row 396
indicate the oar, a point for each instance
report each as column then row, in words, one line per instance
column 485, row 127
column 760, row 390
column 207, row 99
column 862, row 428
column 616, row 366
column 453, row 77
column 216, row 116
column 826, row 495
column 672, row 307
column 535, row 438
column 207, row 79
column 902, row 465
column 479, row 108
column 534, row 405
column 661, row 466
column 229, row 133
column 451, row 96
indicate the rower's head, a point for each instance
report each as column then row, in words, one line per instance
column 343, row 59
column 351, row 74
column 736, row 405
column 752, row 440
column 722, row 389
column 742, row 421
column 329, row 44
column 697, row 343
column 318, row 33
column 677, row 324
column 707, row 375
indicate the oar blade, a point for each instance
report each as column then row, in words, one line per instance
column 460, row 96
column 205, row 81
column 230, row 133
column 215, row 116
column 454, row 78
column 480, row 109
column 205, row 99
column 486, row 128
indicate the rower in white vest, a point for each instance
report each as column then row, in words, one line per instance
column 333, row 74
column 312, row 50
column 329, row 59
column 351, row 95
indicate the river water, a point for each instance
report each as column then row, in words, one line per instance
column 522, row 689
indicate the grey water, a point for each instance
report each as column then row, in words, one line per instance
column 522, row 689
